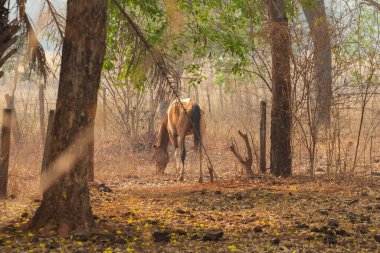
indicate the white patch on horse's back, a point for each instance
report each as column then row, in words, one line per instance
column 185, row 100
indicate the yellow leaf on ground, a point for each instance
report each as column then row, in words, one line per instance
column 232, row 248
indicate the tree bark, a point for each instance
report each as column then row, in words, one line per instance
column 66, row 200
column 280, row 153
column 47, row 142
column 4, row 151
column 322, row 77
column 208, row 98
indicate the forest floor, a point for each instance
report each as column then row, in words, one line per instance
column 136, row 211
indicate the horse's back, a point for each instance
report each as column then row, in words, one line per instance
column 178, row 118
column 177, row 106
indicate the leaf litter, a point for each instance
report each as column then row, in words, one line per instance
column 260, row 215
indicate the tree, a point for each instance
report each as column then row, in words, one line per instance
column 66, row 201
column 319, row 32
column 280, row 153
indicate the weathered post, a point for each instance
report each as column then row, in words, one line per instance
column 4, row 151
column 263, row 126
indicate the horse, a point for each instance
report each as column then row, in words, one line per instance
column 184, row 117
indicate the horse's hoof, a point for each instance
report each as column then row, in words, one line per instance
column 200, row 180
column 180, row 178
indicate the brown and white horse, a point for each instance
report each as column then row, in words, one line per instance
column 182, row 119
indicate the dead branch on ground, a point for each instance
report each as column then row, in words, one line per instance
column 247, row 161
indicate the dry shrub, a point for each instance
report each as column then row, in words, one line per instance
column 24, row 170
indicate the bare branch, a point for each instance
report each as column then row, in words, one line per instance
column 247, row 161
column 372, row 3
column 57, row 18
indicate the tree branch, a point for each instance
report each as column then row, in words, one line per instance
column 372, row 3
column 246, row 162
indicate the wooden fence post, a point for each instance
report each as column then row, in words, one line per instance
column 45, row 157
column 263, row 126
column 4, row 151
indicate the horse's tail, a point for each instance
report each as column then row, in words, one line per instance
column 197, row 126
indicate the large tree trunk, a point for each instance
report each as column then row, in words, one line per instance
column 66, row 201
column 280, row 153
column 322, row 78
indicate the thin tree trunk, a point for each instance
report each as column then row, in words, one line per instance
column 263, row 134
column 196, row 94
column 232, row 105
column 208, row 98
column 221, row 109
column 188, row 91
column 66, row 200
column 151, row 113
column 280, row 155
column 210, row 83
column 105, row 109
column 41, row 101
column 47, row 141
column 322, row 79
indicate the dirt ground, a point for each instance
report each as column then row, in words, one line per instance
column 137, row 211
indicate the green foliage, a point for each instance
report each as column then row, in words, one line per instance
column 310, row 4
column 230, row 29
column 219, row 28
column 360, row 47
column 121, row 56
column 292, row 8
column 195, row 71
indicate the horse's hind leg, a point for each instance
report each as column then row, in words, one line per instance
column 177, row 155
column 182, row 173
column 174, row 141
column 182, row 168
column 200, row 165
column 182, row 149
